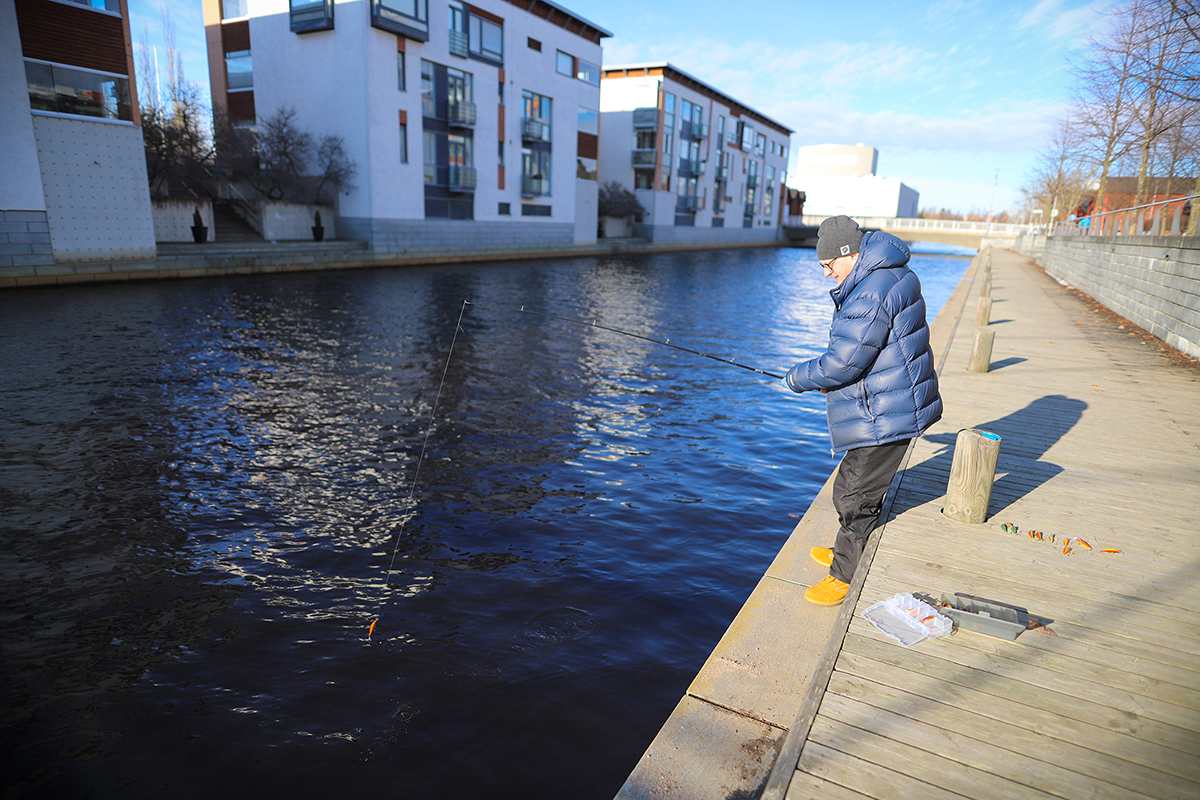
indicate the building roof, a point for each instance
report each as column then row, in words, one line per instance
column 668, row 70
column 549, row 10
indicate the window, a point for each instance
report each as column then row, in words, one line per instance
column 535, row 172
column 720, row 130
column 429, row 140
column 566, row 64
column 230, row 9
column 769, row 190
column 68, row 90
column 403, row 142
column 401, row 80
column 504, row 209
column 589, row 73
column 535, row 109
column 643, row 179
column 460, row 107
column 760, row 145
column 408, row 18
column 589, row 121
column 239, row 70
column 487, row 39
column 102, row 5
column 308, row 15
column 534, row 44
column 747, row 136
column 428, row 101
column 458, row 30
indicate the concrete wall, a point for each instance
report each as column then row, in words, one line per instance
column 450, row 237
column 97, row 192
column 283, row 222
column 20, row 179
column 173, row 218
column 1153, row 281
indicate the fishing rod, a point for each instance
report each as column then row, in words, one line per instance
column 594, row 324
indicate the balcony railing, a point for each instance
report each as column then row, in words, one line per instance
column 533, row 130
column 534, row 187
column 693, row 130
column 688, row 203
column 1158, row 218
column 722, row 174
column 644, row 159
column 458, row 43
column 645, row 118
column 462, row 179
column 461, row 113
column 751, row 181
column 688, row 166
column 749, row 212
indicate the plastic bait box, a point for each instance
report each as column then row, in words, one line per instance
column 907, row 619
column 984, row 616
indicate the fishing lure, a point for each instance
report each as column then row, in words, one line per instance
column 1066, row 550
column 371, row 628
column 1083, row 543
column 1110, row 550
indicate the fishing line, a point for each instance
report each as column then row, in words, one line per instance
column 666, row 343
column 445, row 369
column 412, row 489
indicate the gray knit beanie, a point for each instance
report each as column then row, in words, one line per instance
column 838, row 236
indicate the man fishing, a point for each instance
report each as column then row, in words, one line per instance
column 878, row 377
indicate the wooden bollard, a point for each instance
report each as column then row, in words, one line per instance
column 981, row 353
column 983, row 316
column 986, row 289
column 972, row 472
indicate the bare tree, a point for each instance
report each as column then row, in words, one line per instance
column 1061, row 177
column 335, row 170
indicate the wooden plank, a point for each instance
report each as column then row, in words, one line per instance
column 1135, row 716
column 866, row 777
column 973, row 715
column 952, row 760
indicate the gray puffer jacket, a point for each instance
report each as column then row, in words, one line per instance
column 878, row 371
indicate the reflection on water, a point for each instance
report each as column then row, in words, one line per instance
column 204, row 484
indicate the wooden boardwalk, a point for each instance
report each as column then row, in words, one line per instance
column 1101, row 440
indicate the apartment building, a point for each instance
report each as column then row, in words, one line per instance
column 474, row 127
column 73, row 185
column 706, row 167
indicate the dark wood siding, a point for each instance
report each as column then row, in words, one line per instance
column 67, row 34
column 241, row 106
column 589, row 145
column 235, row 36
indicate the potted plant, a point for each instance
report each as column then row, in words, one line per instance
column 318, row 228
column 199, row 229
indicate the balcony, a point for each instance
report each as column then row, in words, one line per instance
column 534, row 187
column 693, row 130
column 749, row 212
column 688, row 203
column 645, row 118
column 458, row 44
column 751, row 181
column 534, row 130
column 722, row 174
column 461, row 113
column 688, row 166
column 462, row 179
column 644, row 159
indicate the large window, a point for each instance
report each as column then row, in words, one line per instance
column 403, row 142
column 565, row 64
column 535, row 115
column 408, row 18
column 401, row 77
column 535, row 172
column 487, row 38
column 232, row 9
column 239, row 70
column 68, row 90
column 309, row 15
column 428, row 100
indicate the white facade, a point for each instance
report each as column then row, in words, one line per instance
column 705, row 167
column 841, row 179
column 73, row 186
column 346, row 81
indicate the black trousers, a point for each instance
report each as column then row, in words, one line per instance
column 858, row 490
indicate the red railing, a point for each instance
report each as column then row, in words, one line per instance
column 1144, row 220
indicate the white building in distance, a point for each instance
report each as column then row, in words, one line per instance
column 707, row 168
column 842, row 179
column 474, row 127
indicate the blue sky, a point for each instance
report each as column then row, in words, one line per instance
column 958, row 96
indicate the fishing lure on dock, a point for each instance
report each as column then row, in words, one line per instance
column 1110, row 550
column 1083, row 544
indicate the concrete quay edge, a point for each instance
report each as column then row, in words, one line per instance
column 766, row 676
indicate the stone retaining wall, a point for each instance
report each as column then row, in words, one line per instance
column 1153, row 281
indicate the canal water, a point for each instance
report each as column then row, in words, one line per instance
column 209, row 489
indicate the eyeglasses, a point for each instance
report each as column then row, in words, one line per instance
column 827, row 264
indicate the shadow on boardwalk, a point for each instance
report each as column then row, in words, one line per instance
column 1027, row 435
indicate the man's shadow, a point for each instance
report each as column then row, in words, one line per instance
column 1026, row 436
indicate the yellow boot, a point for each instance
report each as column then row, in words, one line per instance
column 822, row 555
column 829, row 592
